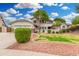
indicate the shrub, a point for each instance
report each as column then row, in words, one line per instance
column 53, row 31
column 62, row 31
column 49, row 31
column 22, row 35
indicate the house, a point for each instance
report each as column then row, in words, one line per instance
column 3, row 27
column 37, row 25
column 42, row 26
column 63, row 26
column 22, row 24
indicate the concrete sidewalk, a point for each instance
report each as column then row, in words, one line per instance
column 10, row 52
column 6, row 39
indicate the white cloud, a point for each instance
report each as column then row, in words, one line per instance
column 54, row 14
column 21, row 18
column 70, row 17
column 28, row 5
column 28, row 16
column 32, row 11
column 4, row 14
column 10, row 19
column 12, row 11
column 51, row 4
column 54, row 4
column 61, row 4
column 65, row 8
column 51, row 18
column 19, row 14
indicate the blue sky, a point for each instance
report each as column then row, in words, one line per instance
column 15, row 11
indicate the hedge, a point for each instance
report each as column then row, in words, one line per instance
column 22, row 35
column 49, row 31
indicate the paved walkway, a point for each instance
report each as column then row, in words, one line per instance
column 10, row 52
column 54, row 48
column 7, row 39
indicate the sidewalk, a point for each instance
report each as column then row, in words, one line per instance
column 7, row 39
column 10, row 52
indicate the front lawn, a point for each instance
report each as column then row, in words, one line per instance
column 69, row 38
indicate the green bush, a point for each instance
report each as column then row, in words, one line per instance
column 22, row 35
column 62, row 31
column 49, row 31
column 53, row 31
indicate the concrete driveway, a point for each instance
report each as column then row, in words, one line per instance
column 6, row 39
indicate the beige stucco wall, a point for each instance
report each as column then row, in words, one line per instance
column 25, row 24
column 4, row 29
column 1, row 23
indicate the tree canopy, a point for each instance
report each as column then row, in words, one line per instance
column 77, row 8
column 75, row 20
column 41, row 15
column 58, row 21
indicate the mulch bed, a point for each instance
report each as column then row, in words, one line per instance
column 54, row 48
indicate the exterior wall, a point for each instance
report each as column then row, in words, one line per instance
column 4, row 29
column 22, row 25
column 1, row 23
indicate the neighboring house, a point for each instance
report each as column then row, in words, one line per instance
column 37, row 26
column 22, row 24
column 3, row 27
column 42, row 26
column 63, row 26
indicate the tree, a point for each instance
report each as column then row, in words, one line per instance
column 75, row 20
column 77, row 8
column 58, row 22
column 41, row 15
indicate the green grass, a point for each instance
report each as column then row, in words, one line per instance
column 70, row 38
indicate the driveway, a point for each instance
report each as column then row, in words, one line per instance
column 6, row 39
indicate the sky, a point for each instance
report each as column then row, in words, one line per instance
column 17, row 11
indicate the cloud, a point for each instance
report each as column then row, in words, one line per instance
column 4, row 14
column 28, row 5
column 21, row 18
column 51, row 18
column 32, row 11
column 54, row 14
column 65, row 8
column 19, row 14
column 28, row 16
column 12, row 11
column 70, row 17
column 61, row 4
column 9, row 19
column 53, row 4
